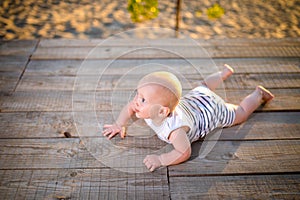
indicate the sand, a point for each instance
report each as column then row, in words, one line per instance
column 86, row 19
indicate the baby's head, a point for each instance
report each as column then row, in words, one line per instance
column 163, row 88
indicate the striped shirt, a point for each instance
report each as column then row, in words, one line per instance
column 201, row 110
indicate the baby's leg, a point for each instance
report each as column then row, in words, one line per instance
column 250, row 103
column 214, row 80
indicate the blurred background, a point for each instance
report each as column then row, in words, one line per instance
column 199, row 19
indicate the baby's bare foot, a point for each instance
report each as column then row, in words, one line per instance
column 266, row 94
column 226, row 72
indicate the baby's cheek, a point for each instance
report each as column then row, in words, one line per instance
column 143, row 113
column 154, row 111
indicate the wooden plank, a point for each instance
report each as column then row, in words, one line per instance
column 36, row 101
column 115, row 42
column 13, row 63
column 14, row 56
column 260, row 126
column 11, row 68
column 37, row 125
column 61, row 125
column 283, row 186
column 242, row 157
column 17, row 47
column 94, row 152
column 112, row 82
column 67, row 124
column 17, row 43
column 82, row 184
column 286, row 99
column 45, row 154
column 268, row 80
column 38, row 83
column 227, row 157
column 265, row 126
column 83, row 53
column 8, row 82
column 119, row 67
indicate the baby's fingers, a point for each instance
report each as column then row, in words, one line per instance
column 112, row 134
column 106, row 132
column 109, row 133
column 107, row 125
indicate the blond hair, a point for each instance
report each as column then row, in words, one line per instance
column 169, row 82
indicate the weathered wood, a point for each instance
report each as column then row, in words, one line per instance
column 286, row 99
column 17, row 47
column 11, row 68
column 36, row 101
column 268, row 80
column 260, row 126
column 169, row 52
column 115, row 82
column 115, row 42
column 94, row 152
column 8, row 82
column 227, row 157
column 36, row 124
column 82, row 184
column 240, row 157
column 13, row 63
column 49, row 153
column 283, row 186
column 265, row 126
column 50, row 137
column 119, row 67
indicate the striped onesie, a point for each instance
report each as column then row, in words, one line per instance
column 201, row 110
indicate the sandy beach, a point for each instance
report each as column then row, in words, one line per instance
column 86, row 19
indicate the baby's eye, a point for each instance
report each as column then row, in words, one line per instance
column 143, row 100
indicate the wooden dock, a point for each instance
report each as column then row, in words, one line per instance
column 43, row 155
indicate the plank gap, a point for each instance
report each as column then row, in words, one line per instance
column 26, row 65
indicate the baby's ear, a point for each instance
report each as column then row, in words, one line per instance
column 159, row 112
column 164, row 111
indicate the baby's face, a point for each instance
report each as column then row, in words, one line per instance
column 147, row 99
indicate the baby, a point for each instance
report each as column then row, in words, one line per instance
column 182, row 120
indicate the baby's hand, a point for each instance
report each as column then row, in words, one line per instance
column 152, row 162
column 111, row 130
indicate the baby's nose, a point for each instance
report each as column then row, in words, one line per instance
column 135, row 101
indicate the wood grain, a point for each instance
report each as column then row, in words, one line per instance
column 227, row 157
column 56, row 95
column 181, row 66
column 168, row 52
column 240, row 157
column 115, row 82
column 260, row 126
column 115, row 42
column 14, row 56
column 82, row 184
column 283, row 186
column 17, row 47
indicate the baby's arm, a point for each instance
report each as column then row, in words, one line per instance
column 180, row 153
column 110, row 130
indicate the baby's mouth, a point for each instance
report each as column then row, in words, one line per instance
column 135, row 110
